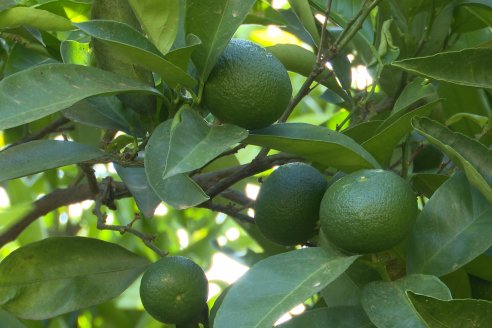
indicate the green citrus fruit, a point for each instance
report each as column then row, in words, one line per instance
column 368, row 211
column 174, row 290
column 248, row 86
column 428, row 158
column 287, row 207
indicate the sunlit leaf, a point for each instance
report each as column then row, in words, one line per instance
column 37, row 18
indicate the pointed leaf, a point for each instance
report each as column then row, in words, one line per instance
column 427, row 183
column 276, row 284
column 388, row 306
column 306, row 16
column 214, row 22
column 37, row 18
column 474, row 158
column 136, row 181
column 464, row 313
column 159, row 20
column 392, row 130
column 179, row 191
column 134, row 48
column 194, row 143
column 181, row 57
column 63, row 274
column 315, row 143
column 29, row 95
column 447, row 237
column 471, row 67
column 414, row 91
column 339, row 317
column 40, row 155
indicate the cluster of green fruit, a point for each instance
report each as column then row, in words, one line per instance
column 363, row 212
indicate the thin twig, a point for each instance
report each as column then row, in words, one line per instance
column 323, row 39
column 229, row 210
column 91, row 177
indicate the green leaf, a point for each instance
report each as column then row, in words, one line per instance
column 479, row 120
column 136, row 181
column 179, row 191
column 474, row 158
column 194, row 143
column 480, row 267
column 29, row 95
column 392, row 130
column 464, row 313
column 416, row 90
column 37, row 18
column 315, row 143
column 453, row 228
column 363, row 131
column 159, row 20
column 134, row 48
column 181, row 56
column 306, row 16
column 9, row 321
column 276, row 284
column 75, row 11
column 339, row 317
column 73, row 52
column 63, row 274
column 471, row 67
column 39, row 155
column 214, row 22
column 427, row 183
column 388, row 306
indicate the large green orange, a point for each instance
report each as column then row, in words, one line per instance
column 248, row 86
column 287, row 207
column 368, row 211
column 174, row 290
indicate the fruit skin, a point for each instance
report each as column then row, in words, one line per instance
column 287, row 207
column 248, row 86
column 108, row 59
column 368, row 211
column 174, row 290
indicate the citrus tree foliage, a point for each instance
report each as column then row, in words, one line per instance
column 102, row 122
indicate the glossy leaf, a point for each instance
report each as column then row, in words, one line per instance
column 392, row 130
column 39, row 155
column 214, row 22
column 315, row 143
column 135, row 48
column 28, row 95
column 62, row 274
column 73, row 52
column 75, row 11
column 416, row 90
column 179, row 191
column 363, row 131
column 387, row 304
column 473, row 157
column 9, row 321
column 305, row 14
column 470, row 67
column 337, row 317
column 37, row 18
column 160, row 21
column 136, row 181
column 181, row 57
column 274, row 285
column 194, row 143
column 465, row 313
column 453, row 228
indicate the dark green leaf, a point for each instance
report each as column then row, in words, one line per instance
column 36, row 156
column 214, row 22
column 159, row 20
column 388, row 306
column 473, row 157
column 179, row 191
column 453, row 228
column 9, row 321
column 337, row 317
column 42, row 90
column 62, row 274
column 480, row 267
column 464, row 313
column 181, row 56
column 275, row 285
column 414, row 91
column 134, row 48
column 194, row 143
column 22, row 58
column 303, row 11
column 392, row 130
column 37, row 18
column 315, row 143
column 427, row 183
column 363, row 131
column 471, row 67
column 136, row 181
